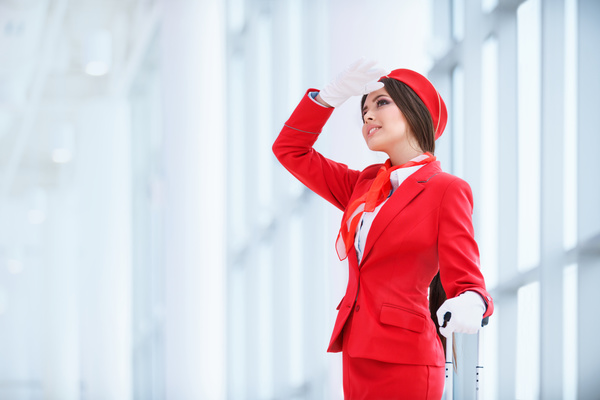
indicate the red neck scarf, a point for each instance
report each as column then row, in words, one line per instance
column 368, row 202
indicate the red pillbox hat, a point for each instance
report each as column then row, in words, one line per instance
column 427, row 93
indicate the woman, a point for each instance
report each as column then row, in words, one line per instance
column 405, row 223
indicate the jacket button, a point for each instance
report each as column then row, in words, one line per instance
column 357, row 308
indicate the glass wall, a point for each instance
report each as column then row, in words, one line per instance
column 522, row 161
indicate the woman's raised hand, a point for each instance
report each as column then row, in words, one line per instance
column 357, row 79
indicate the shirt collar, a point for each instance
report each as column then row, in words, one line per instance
column 399, row 175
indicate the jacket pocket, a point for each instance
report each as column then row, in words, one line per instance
column 402, row 318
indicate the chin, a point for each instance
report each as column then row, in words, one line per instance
column 373, row 146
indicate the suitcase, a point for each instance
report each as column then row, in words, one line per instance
column 450, row 366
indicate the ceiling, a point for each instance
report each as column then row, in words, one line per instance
column 54, row 55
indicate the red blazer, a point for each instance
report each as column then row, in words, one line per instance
column 425, row 226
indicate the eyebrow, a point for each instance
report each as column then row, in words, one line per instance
column 373, row 101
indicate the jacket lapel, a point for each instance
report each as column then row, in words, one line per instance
column 408, row 190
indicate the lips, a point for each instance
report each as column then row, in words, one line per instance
column 371, row 130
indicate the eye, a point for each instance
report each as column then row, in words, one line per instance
column 382, row 102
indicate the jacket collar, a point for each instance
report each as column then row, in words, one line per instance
column 408, row 190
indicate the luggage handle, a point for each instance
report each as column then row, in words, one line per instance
column 448, row 315
column 449, row 364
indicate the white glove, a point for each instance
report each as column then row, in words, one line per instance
column 357, row 79
column 466, row 313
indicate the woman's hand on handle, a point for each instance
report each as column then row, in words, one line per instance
column 466, row 311
column 357, row 79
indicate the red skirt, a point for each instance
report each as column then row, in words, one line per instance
column 377, row 380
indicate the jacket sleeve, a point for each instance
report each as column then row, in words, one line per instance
column 293, row 148
column 457, row 249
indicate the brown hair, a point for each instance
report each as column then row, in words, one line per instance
column 421, row 126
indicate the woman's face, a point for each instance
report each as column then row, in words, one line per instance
column 384, row 126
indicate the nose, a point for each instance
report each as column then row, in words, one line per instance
column 368, row 116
